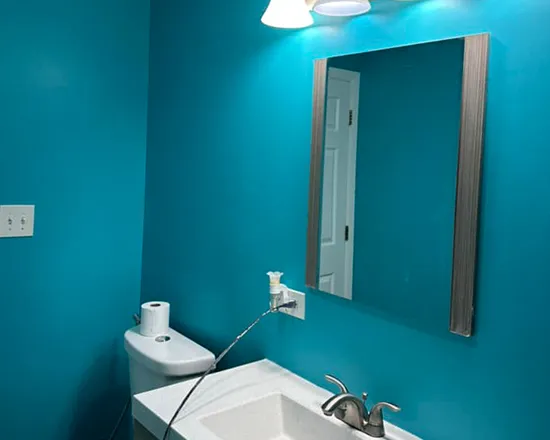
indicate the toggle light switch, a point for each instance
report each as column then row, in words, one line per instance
column 16, row 220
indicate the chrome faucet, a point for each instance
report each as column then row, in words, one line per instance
column 352, row 410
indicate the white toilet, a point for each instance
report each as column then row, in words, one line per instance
column 164, row 360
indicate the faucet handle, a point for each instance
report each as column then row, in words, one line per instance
column 376, row 418
column 334, row 380
column 375, row 422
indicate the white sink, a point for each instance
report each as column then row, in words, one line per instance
column 274, row 417
column 258, row 401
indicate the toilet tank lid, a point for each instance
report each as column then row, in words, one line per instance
column 177, row 356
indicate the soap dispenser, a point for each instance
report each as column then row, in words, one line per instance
column 278, row 292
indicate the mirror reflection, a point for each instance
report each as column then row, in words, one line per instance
column 392, row 121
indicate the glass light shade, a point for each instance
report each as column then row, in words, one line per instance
column 341, row 8
column 288, row 14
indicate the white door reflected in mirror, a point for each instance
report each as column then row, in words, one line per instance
column 337, row 210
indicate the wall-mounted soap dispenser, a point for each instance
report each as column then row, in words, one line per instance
column 280, row 294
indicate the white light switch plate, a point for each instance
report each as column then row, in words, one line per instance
column 16, row 220
column 300, row 310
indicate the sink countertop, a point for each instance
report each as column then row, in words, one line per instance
column 227, row 389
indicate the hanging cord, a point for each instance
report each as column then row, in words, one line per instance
column 290, row 304
column 120, row 419
column 137, row 320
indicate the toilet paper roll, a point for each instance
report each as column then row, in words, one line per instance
column 155, row 318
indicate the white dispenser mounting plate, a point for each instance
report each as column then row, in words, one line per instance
column 16, row 221
column 300, row 310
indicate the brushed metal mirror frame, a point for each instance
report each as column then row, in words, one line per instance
column 472, row 127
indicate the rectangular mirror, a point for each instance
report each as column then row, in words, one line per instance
column 395, row 177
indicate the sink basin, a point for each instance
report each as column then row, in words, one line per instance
column 273, row 417
column 258, row 401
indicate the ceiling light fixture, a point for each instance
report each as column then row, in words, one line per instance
column 341, row 8
column 288, row 14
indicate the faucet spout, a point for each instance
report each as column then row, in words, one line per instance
column 352, row 410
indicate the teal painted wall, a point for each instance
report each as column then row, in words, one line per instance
column 73, row 113
column 228, row 163
column 407, row 154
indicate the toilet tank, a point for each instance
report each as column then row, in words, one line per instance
column 164, row 360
